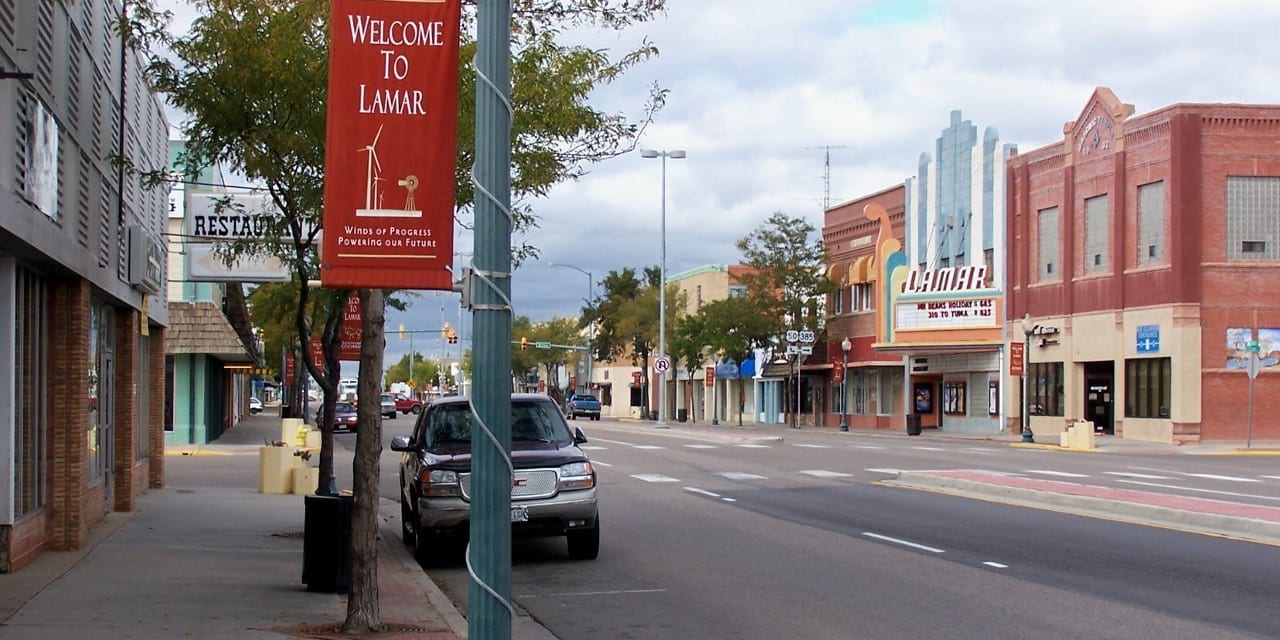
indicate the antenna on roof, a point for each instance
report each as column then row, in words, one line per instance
column 826, row 172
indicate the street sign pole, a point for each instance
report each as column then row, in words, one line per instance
column 1253, row 373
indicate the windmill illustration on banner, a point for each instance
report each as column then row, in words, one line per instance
column 372, row 187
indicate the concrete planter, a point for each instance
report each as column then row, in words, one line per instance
column 275, row 469
column 305, row 480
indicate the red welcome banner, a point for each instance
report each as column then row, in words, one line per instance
column 352, row 330
column 390, row 146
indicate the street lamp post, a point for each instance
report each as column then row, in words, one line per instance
column 674, row 154
column 591, row 327
column 845, row 346
column 1027, row 330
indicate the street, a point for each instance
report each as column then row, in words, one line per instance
column 798, row 539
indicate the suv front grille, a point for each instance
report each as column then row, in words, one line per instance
column 528, row 484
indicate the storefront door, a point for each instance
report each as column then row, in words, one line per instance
column 1099, row 386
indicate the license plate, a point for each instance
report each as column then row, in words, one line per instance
column 519, row 514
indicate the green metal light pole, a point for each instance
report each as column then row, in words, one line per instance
column 489, row 554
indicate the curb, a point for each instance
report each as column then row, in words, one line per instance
column 436, row 599
column 1248, row 529
column 1054, row 447
column 704, row 437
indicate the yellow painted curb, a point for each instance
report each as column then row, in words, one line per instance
column 1052, row 447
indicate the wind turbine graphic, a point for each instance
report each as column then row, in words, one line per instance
column 374, row 171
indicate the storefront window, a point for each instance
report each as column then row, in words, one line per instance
column 1147, row 386
column 953, row 398
column 1046, row 388
column 30, row 403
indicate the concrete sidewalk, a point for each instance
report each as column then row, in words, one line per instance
column 209, row 557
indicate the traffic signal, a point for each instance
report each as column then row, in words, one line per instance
column 402, row 331
column 453, row 337
column 524, row 343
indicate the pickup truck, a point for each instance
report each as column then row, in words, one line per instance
column 581, row 404
column 405, row 404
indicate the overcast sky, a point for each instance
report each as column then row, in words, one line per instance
column 758, row 88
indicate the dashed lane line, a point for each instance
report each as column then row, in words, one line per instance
column 702, row 492
column 1213, row 491
column 653, row 477
column 885, row 470
column 811, row 446
column 592, row 447
column 821, row 473
column 997, row 565
column 928, row 448
column 752, row 446
column 647, row 447
column 739, row 475
column 700, row 446
column 1131, row 474
column 1214, row 476
column 1060, row 474
column 905, row 543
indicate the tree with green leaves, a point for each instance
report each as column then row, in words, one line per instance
column 627, row 312
column 252, row 77
column 786, row 280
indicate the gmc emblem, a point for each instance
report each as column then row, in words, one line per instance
column 519, row 482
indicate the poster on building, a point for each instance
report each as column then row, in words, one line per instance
column 390, row 147
column 1238, row 342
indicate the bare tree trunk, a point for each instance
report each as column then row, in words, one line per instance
column 363, row 614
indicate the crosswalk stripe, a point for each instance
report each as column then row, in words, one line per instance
column 928, row 448
column 646, row 446
column 592, row 447
column 867, row 446
column 753, row 446
column 811, row 446
column 653, row 477
column 700, row 446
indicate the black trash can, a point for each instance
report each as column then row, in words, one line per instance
column 913, row 424
column 326, row 543
column 682, row 415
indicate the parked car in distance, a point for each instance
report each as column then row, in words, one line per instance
column 405, row 404
column 582, row 404
column 553, row 491
column 255, row 405
column 344, row 414
column 388, row 406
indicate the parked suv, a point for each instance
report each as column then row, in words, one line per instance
column 553, row 491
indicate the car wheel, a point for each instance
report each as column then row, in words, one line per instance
column 585, row 544
column 408, row 526
column 595, row 417
column 417, row 410
column 392, row 415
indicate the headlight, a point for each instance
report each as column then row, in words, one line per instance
column 577, row 475
column 438, row 483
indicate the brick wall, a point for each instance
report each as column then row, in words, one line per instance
column 155, row 430
column 125, row 423
column 68, row 378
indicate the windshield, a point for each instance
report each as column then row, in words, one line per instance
column 585, row 398
column 530, row 422
column 344, row 407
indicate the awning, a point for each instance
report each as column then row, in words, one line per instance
column 858, row 270
column 201, row 328
column 836, row 273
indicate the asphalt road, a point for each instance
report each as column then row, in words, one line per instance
column 796, row 539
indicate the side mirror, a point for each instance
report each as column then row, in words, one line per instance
column 578, row 436
column 400, row 443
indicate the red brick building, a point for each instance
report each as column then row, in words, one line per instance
column 874, row 380
column 1142, row 249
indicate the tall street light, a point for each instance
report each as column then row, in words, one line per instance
column 1027, row 330
column 674, row 154
column 845, row 346
column 591, row 327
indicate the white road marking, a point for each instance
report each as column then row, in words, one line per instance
column 819, row 473
column 996, row 565
column 1060, row 474
column 625, row 444
column 753, row 446
column 1211, row 476
column 904, row 543
column 887, row 470
column 601, row 464
column 738, row 475
column 979, row 450
column 1221, row 493
column 1130, row 474
column 646, row 446
column 653, row 477
column 592, row 447
column 702, row 491
column 811, row 446
column 700, row 446
column 928, row 448
column 575, row 594
column 729, row 499
column 1272, row 477
column 866, row 446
